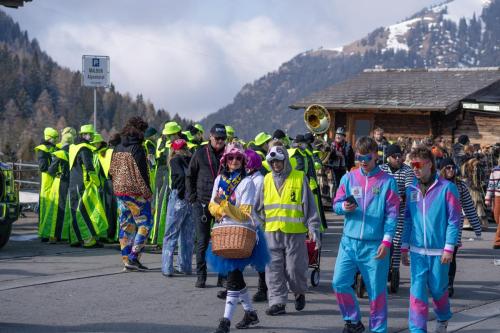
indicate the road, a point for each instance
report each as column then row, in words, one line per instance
column 56, row 288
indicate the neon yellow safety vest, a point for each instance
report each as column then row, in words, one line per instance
column 284, row 212
column 105, row 160
column 293, row 161
column 74, row 149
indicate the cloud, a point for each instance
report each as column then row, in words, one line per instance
column 182, row 66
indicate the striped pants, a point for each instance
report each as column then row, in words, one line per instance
column 396, row 242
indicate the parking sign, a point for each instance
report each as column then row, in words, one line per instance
column 95, row 71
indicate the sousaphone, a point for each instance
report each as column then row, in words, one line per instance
column 317, row 119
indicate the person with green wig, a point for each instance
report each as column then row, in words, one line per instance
column 230, row 133
column 102, row 161
column 171, row 131
column 59, row 170
column 88, row 217
column 44, row 155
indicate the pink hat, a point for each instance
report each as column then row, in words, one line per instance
column 233, row 148
column 254, row 162
column 178, row 144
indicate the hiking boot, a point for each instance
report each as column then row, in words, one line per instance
column 223, row 326
column 201, row 281
column 222, row 294
column 441, row 327
column 353, row 328
column 260, row 296
column 276, row 309
column 250, row 318
column 221, row 282
column 300, row 302
column 135, row 265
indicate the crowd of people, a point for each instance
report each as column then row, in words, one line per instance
column 170, row 188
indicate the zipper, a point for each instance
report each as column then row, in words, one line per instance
column 364, row 209
column 424, row 211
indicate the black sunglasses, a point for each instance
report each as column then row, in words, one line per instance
column 235, row 157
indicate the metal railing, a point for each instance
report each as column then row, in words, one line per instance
column 26, row 175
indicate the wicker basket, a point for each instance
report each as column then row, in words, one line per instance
column 233, row 241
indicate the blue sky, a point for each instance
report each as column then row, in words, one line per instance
column 192, row 57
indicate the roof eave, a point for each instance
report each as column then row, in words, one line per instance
column 377, row 107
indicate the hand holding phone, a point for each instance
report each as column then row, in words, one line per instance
column 350, row 204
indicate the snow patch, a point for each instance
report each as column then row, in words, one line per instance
column 397, row 35
column 462, row 8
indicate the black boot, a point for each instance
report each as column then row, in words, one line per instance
column 223, row 326
column 353, row 328
column 261, row 294
column 300, row 302
column 221, row 281
column 222, row 294
column 276, row 309
column 201, row 281
column 250, row 318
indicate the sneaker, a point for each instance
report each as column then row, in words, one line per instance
column 353, row 328
column 224, row 325
column 260, row 296
column 135, row 265
column 94, row 245
column 222, row 294
column 300, row 302
column 250, row 318
column 201, row 281
column 451, row 291
column 496, row 247
column 441, row 326
column 276, row 309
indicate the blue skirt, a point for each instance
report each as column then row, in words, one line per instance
column 258, row 260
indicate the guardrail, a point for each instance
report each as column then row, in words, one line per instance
column 26, row 175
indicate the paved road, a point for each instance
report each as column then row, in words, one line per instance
column 55, row 288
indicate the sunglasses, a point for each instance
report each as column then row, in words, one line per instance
column 238, row 158
column 418, row 165
column 449, row 167
column 219, row 138
column 364, row 158
column 396, row 156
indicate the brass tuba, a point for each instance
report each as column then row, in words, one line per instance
column 317, row 119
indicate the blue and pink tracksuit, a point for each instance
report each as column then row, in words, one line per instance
column 372, row 223
column 431, row 227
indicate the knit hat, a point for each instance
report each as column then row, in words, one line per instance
column 150, row 132
column 254, row 162
column 233, row 148
column 393, row 149
column 446, row 161
column 279, row 134
column 178, row 144
column 463, row 139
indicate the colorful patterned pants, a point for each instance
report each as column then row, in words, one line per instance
column 135, row 223
column 360, row 255
column 427, row 273
column 179, row 229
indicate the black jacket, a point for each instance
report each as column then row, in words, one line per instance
column 59, row 165
column 132, row 146
column 203, row 168
column 178, row 169
column 44, row 158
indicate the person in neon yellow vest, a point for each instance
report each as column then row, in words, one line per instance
column 88, row 217
column 44, row 155
column 59, row 170
column 171, row 131
column 102, row 161
column 288, row 208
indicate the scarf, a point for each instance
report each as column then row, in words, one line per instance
column 228, row 184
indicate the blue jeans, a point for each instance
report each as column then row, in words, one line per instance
column 179, row 227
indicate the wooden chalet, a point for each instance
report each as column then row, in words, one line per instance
column 415, row 103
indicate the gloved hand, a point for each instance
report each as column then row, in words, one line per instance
column 94, row 178
column 315, row 236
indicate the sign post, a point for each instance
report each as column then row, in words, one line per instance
column 95, row 73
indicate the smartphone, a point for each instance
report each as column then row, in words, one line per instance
column 350, row 199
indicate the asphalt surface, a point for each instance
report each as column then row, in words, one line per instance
column 55, row 288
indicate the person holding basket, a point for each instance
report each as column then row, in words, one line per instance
column 233, row 198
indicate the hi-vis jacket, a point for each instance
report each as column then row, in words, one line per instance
column 431, row 221
column 378, row 202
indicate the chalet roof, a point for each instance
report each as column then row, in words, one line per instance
column 406, row 89
column 13, row 3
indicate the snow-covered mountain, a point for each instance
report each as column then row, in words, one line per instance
column 457, row 33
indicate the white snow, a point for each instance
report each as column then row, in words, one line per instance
column 462, row 8
column 397, row 39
